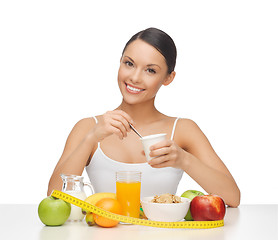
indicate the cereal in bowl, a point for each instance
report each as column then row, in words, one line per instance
column 166, row 198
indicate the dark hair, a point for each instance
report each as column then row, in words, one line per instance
column 161, row 41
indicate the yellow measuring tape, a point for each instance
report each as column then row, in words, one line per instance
column 91, row 208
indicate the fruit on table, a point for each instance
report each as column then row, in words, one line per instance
column 207, row 208
column 94, row 198
column 90, row 219
column 190, row 194
column 142, row 214
column 111, row 205
column 53, row 211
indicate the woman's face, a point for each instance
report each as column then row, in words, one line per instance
column 143, row 70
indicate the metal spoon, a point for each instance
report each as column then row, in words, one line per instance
column 135, row 130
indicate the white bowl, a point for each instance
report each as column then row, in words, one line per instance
column 165, row 212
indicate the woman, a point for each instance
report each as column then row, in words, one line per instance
column 105, row 144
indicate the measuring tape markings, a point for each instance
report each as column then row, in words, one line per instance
column 99, row 211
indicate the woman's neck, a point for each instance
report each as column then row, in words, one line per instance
column 143, row 113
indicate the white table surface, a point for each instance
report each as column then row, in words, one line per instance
column 245, row 222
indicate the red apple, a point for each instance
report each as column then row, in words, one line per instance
column 207, row 208
column 190, row 194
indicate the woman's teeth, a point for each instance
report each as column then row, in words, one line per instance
column 133, row 89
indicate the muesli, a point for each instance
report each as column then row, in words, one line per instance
column 166, row 198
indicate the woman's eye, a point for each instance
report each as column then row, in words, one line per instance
column 150, row 70
column 128, row 63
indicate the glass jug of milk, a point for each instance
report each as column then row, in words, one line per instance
column 74, row 186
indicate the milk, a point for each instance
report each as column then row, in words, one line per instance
column 76, row 212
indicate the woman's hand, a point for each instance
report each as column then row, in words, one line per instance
column 167, row 154
column 113, row 122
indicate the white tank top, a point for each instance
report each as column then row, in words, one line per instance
column 154, row 181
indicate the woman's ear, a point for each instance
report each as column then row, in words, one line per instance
column 169, row 78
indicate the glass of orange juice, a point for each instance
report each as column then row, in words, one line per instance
column 128, row 186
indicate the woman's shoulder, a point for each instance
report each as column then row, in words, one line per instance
column 189, row 126
column 186, row 123
column 182, row 124
column 85, row 124
column 186, row 131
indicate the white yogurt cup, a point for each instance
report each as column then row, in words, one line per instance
column 150, row 140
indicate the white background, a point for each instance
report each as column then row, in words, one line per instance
column 59, row 62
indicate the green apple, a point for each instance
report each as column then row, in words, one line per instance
column 190, row 194
column 53, row 211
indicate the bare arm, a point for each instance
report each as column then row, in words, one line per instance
column 195, row 155
column 82, row 143
column 77, row 151
column 206, row 168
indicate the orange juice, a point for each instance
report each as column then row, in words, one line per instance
column 128, row 194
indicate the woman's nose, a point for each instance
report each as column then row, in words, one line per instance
column 136, row 76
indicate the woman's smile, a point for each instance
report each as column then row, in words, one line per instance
column 133, row 89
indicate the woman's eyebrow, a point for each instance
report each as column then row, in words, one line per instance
column 149, row 65
column 129, row 58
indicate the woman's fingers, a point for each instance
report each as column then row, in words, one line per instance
column 159, row 162
column 162, row 165
column 165, row 154
column 122, row 122
column 119, row 128
column 119, row 120
column 164, row 143
column 161, row 148
column 125, row 115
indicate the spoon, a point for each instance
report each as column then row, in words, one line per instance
column 135, row 130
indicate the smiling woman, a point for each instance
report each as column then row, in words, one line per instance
column 143, row 70
column 105, row 144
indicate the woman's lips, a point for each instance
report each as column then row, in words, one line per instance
column 132, row 89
